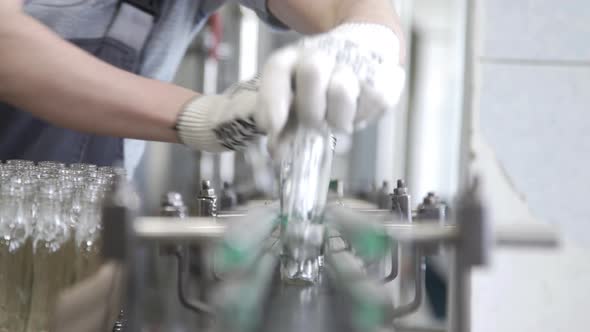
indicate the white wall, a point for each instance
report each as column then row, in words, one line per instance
column 535, row 98
column 531, row 143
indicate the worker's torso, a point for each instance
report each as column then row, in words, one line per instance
column 86, row 23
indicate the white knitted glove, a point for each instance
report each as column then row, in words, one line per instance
column 343, row 78
column 221, row 122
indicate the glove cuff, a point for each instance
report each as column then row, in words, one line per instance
column 194, row 124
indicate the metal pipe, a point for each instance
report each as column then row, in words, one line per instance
column 394, row 265
column 513, row 234
column 418, row 281
column 409, row 328
column 459, row 318
column 194, row 305
column 470, row 117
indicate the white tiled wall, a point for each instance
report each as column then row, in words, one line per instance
column 537, row 29
column 534, row 113
column 534, row 103
column 537, row 119
column 526, row 291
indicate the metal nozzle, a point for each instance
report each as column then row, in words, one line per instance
column 207, row 200
column 401, row 188
column 206, row 189
column 401, row 201
column 228, row 198
column 333, row 141
column 173, row 205
column 172, row 199
column 383, row 197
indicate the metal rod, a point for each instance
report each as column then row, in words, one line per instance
column 185, row 229
column 231, row 215
column 418, row 282
column 521, row 234
column 513, row 234
column 421, row 233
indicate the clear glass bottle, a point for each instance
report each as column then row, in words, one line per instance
column 87, row 232
column 15, row 252
column 49, row 235
column 83, row 167
column 20, row 163
column 51, row 164
column 50, row 259
column 305, row 179
column 65, row 196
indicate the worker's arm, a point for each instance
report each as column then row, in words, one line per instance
column 345, row 77
column 49, row 77
column 52, row 79
column 313, row 16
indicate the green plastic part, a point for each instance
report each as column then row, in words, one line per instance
column 371, row 245
column 368, row 316
column 230, row 257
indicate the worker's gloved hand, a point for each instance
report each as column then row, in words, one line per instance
column 343, row 79
column 222, row 122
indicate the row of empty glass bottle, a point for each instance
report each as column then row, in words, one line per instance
column 49, row 235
